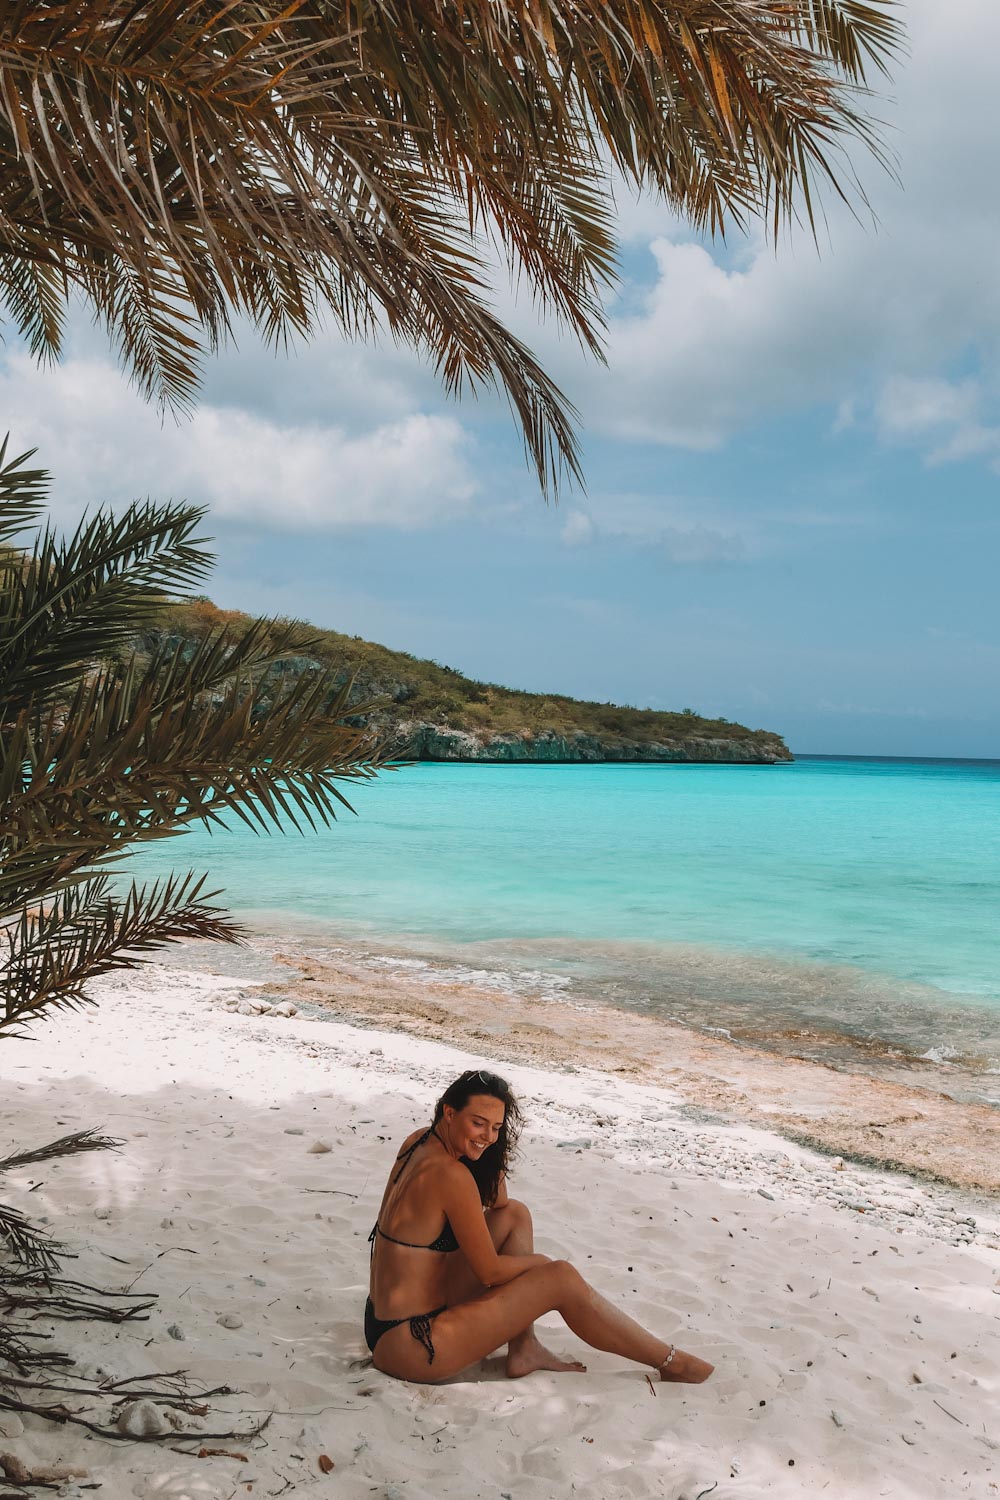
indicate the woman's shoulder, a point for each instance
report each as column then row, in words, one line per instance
column 412, row 1139
column 440, row 1165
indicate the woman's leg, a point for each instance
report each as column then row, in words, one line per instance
column 513, row 1234
column 469, row 1331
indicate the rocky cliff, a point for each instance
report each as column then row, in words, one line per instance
column 438, row 742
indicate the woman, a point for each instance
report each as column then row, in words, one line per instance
column 451, row 1282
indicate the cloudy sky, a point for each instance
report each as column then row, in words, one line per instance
column 793, row 463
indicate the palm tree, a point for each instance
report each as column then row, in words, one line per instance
column 102, row 748
column 179, row 163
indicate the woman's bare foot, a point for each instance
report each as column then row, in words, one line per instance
column 530, row 1355
column 685, row 1369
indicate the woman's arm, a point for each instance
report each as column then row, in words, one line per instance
column 461, row 1203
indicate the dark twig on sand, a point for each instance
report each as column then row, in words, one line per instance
column 36, row 1278
column 71, row 1309
column 62, row 1416
column 44, row 1484
column 26, row 1368
column 16, row 1352
column 179, row 1386
column 176, row 1396
column 116, row 1385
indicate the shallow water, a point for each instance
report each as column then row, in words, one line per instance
column 834, row 905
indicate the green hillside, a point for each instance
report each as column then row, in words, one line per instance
column 437, row 713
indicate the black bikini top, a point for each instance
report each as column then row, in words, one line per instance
column 446, row 1241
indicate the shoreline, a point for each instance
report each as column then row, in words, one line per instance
column 850, row 1313
column 899, row 1123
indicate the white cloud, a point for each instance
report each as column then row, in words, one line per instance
column 908, row 407
column 104, row 445
column 716, row 344
column 701, row 544
column 578, row 529
column 657, row 524
column 942, row 417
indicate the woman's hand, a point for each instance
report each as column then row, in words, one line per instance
column 512, row 1266
column 460, row 1201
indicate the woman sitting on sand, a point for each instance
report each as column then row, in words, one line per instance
column 452, row 1283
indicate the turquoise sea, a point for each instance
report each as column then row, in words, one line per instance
column 833, row 905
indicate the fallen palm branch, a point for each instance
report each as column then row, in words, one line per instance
column 25, row 1297
column 151, row 1407
column 26, row 1242
column 30, row 1246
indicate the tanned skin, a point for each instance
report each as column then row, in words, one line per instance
column 494, row 1286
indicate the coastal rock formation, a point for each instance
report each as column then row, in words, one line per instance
column 440, row 742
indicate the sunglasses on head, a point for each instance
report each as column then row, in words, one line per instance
column 489, row 1079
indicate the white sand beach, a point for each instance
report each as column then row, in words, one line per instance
column 853, row 1315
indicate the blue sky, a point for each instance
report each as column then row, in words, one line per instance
column 793, row 463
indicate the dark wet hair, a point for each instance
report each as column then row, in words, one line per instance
column 495, row 1160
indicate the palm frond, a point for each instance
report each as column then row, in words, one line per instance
column 176, row 162
column 56, row 951
column 74, row 601
column 67, row 1145
column 27, row 1244
column 143, row 754
column 35, row 295
column 852, row 34
column 155, row 336
column 22, row 499
column 98, row 752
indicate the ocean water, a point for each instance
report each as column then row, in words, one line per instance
column 834, row 905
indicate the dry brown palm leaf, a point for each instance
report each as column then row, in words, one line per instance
column 182, row 162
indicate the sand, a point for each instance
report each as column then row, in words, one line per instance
column 853, row 1314
column 896, row 1112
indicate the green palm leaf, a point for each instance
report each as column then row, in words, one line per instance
column 113, row 733
column 22, row 498
column 140, row 755
column 54, row 952
column 71, row 602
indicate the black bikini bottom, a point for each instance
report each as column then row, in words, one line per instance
column 420, row 1327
